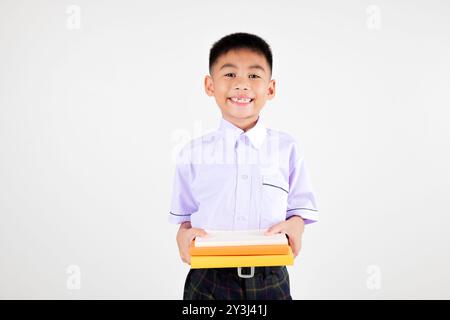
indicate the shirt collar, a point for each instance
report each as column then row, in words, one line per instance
column 256, row 135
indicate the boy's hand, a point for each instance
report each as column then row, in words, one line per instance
column 185, row 236
column 293, row 228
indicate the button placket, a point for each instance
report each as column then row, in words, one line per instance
column 243, row 191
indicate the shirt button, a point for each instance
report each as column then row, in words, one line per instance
column 244, row 176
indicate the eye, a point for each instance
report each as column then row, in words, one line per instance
column 256, row 76
column 232, row 74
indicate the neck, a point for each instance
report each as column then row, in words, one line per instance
column 244, row 124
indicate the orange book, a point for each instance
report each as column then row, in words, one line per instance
column 239, row 250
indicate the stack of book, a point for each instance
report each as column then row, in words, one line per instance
column 226, row 249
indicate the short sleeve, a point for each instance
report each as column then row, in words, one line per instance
column 301, row 198
column 183, row 203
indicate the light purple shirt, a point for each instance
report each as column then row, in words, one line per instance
column 235, row 180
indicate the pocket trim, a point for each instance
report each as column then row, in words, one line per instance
column 275, row 182
column 272, row 185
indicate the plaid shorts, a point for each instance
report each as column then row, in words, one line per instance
column 268, row 283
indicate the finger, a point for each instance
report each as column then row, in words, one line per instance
column 197, row 232
column 185, row 254
column 275, row 229
column 187, row 259
column 193, row 233
column 202, row 233
column 294, row 243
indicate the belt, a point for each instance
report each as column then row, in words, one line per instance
column 248, row 272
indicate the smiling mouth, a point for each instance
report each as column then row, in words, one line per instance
column 242, row 102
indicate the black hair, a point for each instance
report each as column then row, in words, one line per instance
column 237, row 41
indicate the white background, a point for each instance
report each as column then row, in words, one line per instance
column 90, row 119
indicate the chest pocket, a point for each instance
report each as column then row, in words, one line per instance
column 274, row 195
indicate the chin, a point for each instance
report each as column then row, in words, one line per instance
column 242, row 115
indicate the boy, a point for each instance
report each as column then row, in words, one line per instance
column 242, row 176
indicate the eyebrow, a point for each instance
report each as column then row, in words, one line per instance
column 230, row 65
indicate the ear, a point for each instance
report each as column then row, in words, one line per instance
column 209, row 85
column 271, row 89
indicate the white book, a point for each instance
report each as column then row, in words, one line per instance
column 239, row 238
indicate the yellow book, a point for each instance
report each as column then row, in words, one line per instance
column 202, row 262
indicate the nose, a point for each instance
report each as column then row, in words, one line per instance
column 241, row 83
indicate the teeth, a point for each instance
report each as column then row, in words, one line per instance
column 241, row 100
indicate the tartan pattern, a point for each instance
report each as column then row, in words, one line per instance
column 268, row 283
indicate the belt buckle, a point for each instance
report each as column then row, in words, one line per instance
column 246, row 276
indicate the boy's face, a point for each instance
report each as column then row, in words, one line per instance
column 240, row 82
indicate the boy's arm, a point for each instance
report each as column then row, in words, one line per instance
column 183, row 206
column 301, row 206
column 293, row 227
column 183, row 203
column 301, row 198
